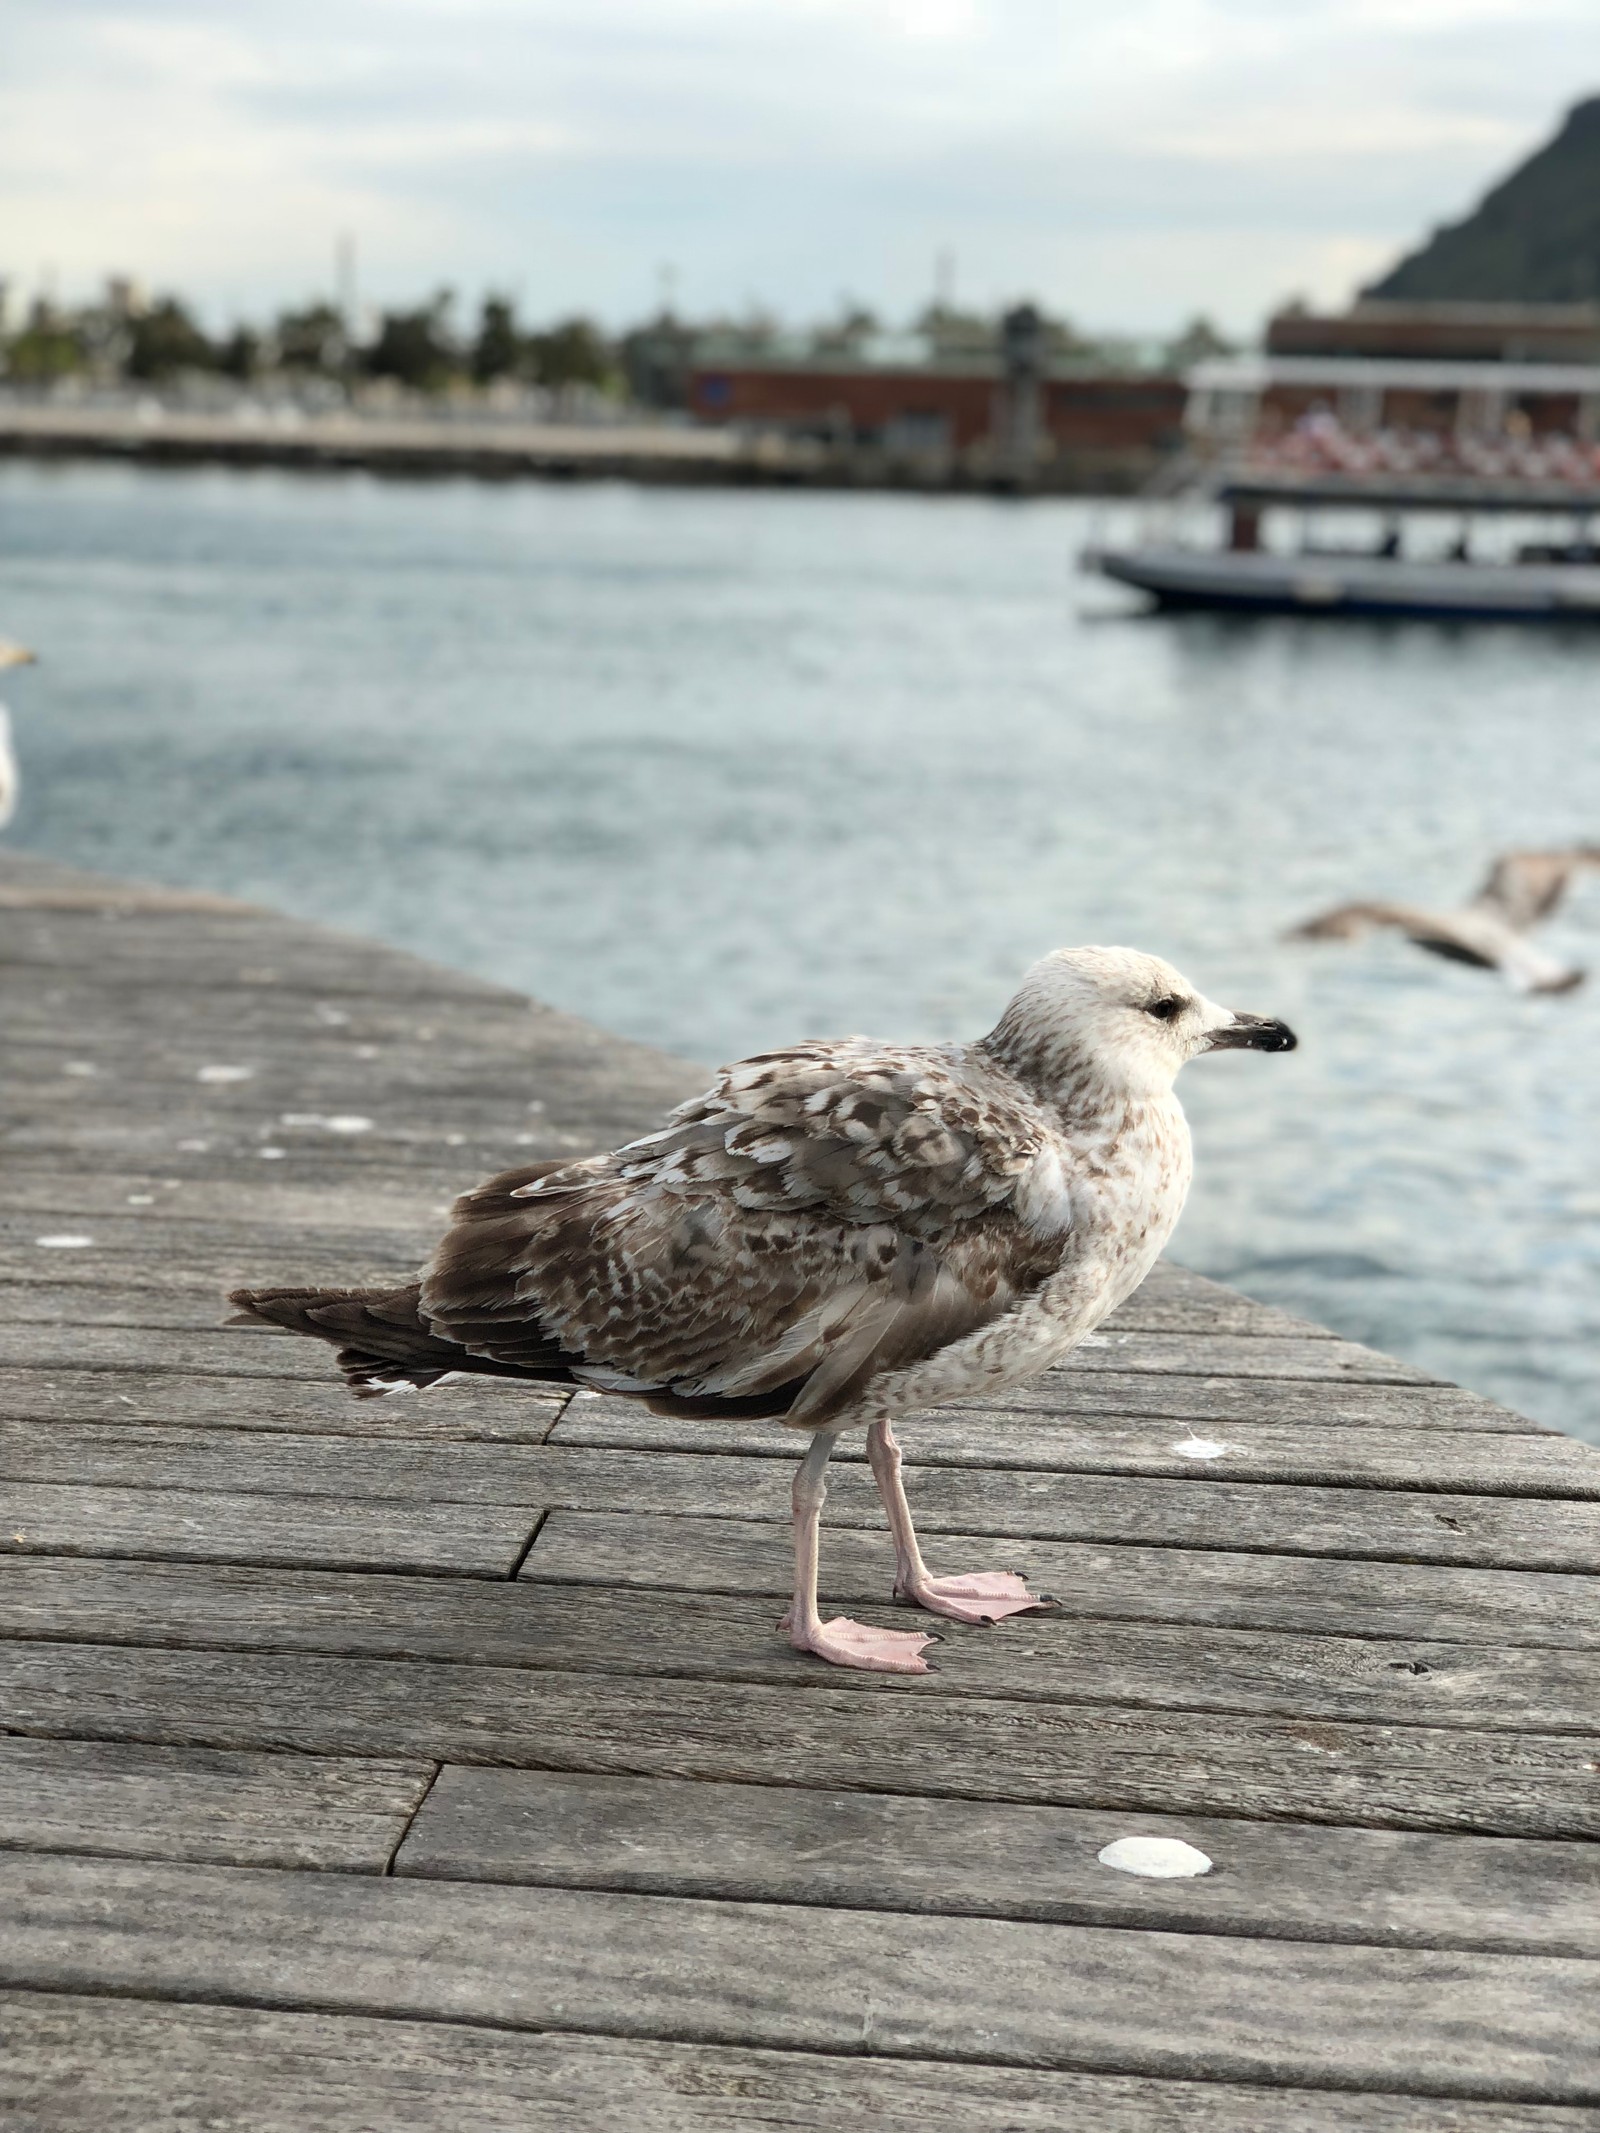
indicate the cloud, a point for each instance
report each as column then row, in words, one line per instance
column 1126, row 164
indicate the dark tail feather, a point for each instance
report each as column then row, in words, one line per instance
column 382, row 1342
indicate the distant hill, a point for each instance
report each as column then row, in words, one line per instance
column 1535, row 239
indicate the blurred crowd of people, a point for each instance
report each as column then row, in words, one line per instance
column 1320, row 443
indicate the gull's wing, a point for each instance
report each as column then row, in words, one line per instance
column 1523, row 887
column 1347, row 922
column 1477, row 934
column 818, row 1216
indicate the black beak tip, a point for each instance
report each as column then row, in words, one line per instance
column 1254, row 1033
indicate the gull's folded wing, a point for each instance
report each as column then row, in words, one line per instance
column 819, row 1215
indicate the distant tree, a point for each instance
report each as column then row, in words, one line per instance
column 48, row 347
column 951, row 332
column 656, row 360
column 575, row 352
column 1197, row 343
column 497, row 350
column 313, row 339
column 415, row 347
column 165, row 340
column 241, row 355
column 849, row 333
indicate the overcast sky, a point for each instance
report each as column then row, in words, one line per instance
column 1127, row 161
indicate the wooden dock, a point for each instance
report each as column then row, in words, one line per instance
column 436, row 1763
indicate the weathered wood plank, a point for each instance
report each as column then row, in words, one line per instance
column 334, row 1813
column 375, row 1465
column 875, row 1733
column 882, row 1851
column 1059, row 1399
column 1321, row 1594
column 1207, row 1355
column 1492, row 1531
column 1365, row 1456
column 232, row 1353
column 72, row 2064
column 1054, row 1658
column 1113, row 1390
column 139, row 1255
column 155, row 1455
column 195, row 1525
column 248, row 1207
column 501, row 1412
column 1174, row 1299
column 1488, row 2026
column 139, row 1601
column 174, row 1396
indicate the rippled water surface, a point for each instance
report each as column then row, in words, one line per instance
column 718, row 770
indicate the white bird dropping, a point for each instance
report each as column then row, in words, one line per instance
column 1156, row 1858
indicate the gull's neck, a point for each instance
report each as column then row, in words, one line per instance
column 1056, row 1071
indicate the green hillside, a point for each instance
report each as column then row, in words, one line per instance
column 1534, row 239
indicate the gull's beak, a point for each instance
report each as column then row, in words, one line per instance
column 16, row 655
column 1251, row 1033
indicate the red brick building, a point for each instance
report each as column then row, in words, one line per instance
column 934, row 409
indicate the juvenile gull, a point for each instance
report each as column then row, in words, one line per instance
column 832, row 1236
column 1521, row 889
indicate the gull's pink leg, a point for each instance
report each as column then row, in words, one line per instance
column 979, row 1595
column 843, row 1642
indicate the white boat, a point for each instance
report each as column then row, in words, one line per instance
column 1335, row 583
column 1279, row 443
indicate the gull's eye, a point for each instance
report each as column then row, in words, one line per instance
column 1166, row 1007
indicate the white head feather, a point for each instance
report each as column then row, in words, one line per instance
column 1117, row 1023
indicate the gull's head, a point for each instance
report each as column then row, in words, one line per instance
column 1114, row 1022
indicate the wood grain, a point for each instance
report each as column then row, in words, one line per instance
column 881, row 1851
column 198, row 1525
column 879, row 1733
column 1019, row 1506
column 1324, row 1594
column 783, row 1975
column 74, row 2064
column 335, row 1814
column 1048, row 1657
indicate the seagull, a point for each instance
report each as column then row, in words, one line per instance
column 832, row 1236
column 11, row 655
column 1521, row 889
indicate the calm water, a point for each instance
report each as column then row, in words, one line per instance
column 720, row 770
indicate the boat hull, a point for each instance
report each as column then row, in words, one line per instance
column 1255, row 583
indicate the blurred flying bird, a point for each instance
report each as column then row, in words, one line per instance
column 831, row 1236
column 11, row 655
column 1490, row 931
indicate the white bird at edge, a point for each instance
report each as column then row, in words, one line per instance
column 11, row 655
column 833, row 1236
column 1490, row 931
